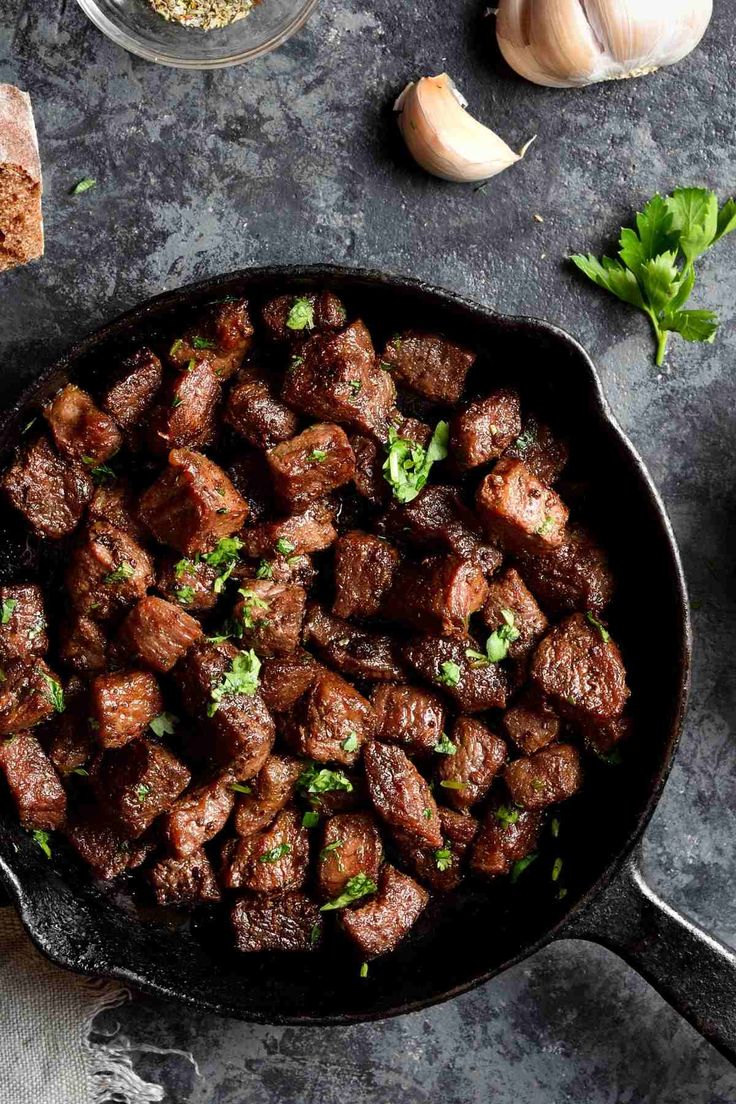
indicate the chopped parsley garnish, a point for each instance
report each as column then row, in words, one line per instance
column 226, row 551
column 295, row 362
column 452, row 784
column 55, row 692
column 284, row 546
column 330, row 849
column 449, row 674
column 408, row 465
column 506, row 816
column 6, row 612
column 316, row 780
column 121, row 573
column 427, row 814
column 42, row 839
column 525, row 440
column 355, row 386
column 184, row 595
column 310, row 819
column 497, row 644
column 350, row 743
column 184, row 567
column 83, row 185
column 164, row 724
column 101, row 473
column 142, row 791
column 445, row 746
column 176, row 401
column 275, row 853
column 315, row 934
column 202, row 343
column 556, row 868
column 80, row 771
column 242, row 678
column 317, row 456
column 364, row 969
column 443, row 859
column 356, row 887
column 555, row 827
column 605, row 635
column 241, row 787
column 301, row 315
column 546, row 527
column 176, row 347
column 265, row 570
column 251, row 602
column 520, row 866
column 562, row 893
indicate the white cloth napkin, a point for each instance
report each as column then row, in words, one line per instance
column 46, row 1015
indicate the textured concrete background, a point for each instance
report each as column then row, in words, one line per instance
column 294, row 159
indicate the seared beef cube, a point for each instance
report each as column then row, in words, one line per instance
column 22, row 623
column 408, row 716
column 271, row 616
column 137, row 382
column 440, row 868
column 351, row 845
column 473, row 686
column 158, row 633
column 399, row 793
column 364, row 569
column 50, row 491
column 369, row 461
column 506, row 836
column 438, row 596
column 108, row 573
column 123, row 705
column 270, row 861
column 192, row 504
column 467, row 775
column 80, row 430
column 137, row 783
column 508, row 595
column 531, row 724
column 484, row 429
column 306, row 313
column 189, row 583
column 200, row 671
column 542, row 452
column 250, row 476
column 428, row 364
column 411, row 429
column 604, row 737
column 309, row 531
column 184, row 418
column 285, row 678
column 103, row 848
column 550, row 775
column 519, row 510
column 575, row 576
column 293, row 570
column 332, row 802
column 115, row 507
column 311, row 465
column 83, row 645
column 29, row 692
column 184, row 881
column 256, row 413
column 197, row 816
column 221, row 337
column 356, row 652
column 289, row 922
column 272, row 789
column 33, row 783
column 436, row 519
column 379, row 926
column 67, row 737
column 331, row 721
column 580, row 669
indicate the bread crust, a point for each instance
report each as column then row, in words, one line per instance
column 21, row 221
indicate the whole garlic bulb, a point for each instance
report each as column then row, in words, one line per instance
column 569, row 43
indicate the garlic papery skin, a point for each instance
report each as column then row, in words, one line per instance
column 570, row 43
column 444, row 139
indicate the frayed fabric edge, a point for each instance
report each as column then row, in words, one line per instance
column 108, row 1064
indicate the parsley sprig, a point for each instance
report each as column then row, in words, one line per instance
column 408, row 464
column 497, row 644
column 356, row 887
column 242, row 678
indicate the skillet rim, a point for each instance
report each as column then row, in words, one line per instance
column 169, row 300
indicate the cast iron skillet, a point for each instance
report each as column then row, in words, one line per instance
column 470, row 937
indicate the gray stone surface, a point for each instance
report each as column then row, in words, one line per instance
column 294, row 159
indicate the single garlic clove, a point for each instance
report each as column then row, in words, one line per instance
column 444, row 139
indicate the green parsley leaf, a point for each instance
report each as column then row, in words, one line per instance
column 176, row 401
column 525, row 440
column 142, row 791
column 226, row 551
column 555, row 827
column 101, row 473
column 497, row 644
column 42, row 839
column 506, row 816
column 80, row 771
column 427, row 814
column 185, row 595
column 356, row 887
column 452, row 784
column 355, row 387
column 317, row 456
column 449, row 674
column 314, row 935
column 242, row 678
column 83, row 185
column 443, row 859
column 556, row 869
column 317, row 780
column 164, row 724
column 408, row 465
column 251, row 603
column 202, row 343
column 176, row 346
column 265, row 570
column 364, row 969
column 330, row 849
column 520, row 866
column 562, row 893
column 350, row 743
column 294, row 363
column 310, row 819
column 241, row 787
column 184, row 567
column 275, row 853
column 301, row 315
column 120, row 574
column 604, row 633
column 56, row 692
column 7, row 608
column 284, row 547
column 445, row 746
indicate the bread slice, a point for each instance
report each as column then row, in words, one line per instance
column 21, row 222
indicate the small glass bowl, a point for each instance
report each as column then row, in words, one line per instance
column 135, row 25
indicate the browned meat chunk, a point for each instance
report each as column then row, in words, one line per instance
column 286, row 678
column 507, row 835
column 399, row 793
column 531, row 724
column 50, row 492
column 272, row 789
column 331, row 721
column 369, row 461
column 336, row 378
column 83, row 645
column 381, row 924
column 221, row 337
column 291, row 317
column 115, row 507
column 364, row 570
column 271, row 616
column 351, row 845
column 438, row 595
column 603, row 738
column 411, row 429
column 158, row 633
column 108, row 572
column 356, row 652
column 519, row 510
column 251, row 478
column 79, row 429
column 438, row 519
column 310, row 531
column 408, row 716
column 192, row 504
column 484, row 429
column 137, row 783
column 311, row 465
column 22, row 623
column 105, row 850
column 29, row 692
column 123, row 705
column 580, row 669
column 271, row 861
column 440, row 868
column 289, row 922
column 185, row 882
column 429, row 364
column 67, row 737
column 542, row 452
column 131, row 396
column 254, row 411
column 472, row 685
column 466, row 777
column 185, row 416
column 575, row 576
column 33, row 783
column 197, row 816
column 544, row 778
column 189, row 583
column 507, row 594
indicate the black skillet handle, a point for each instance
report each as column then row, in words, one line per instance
column 693, row 971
